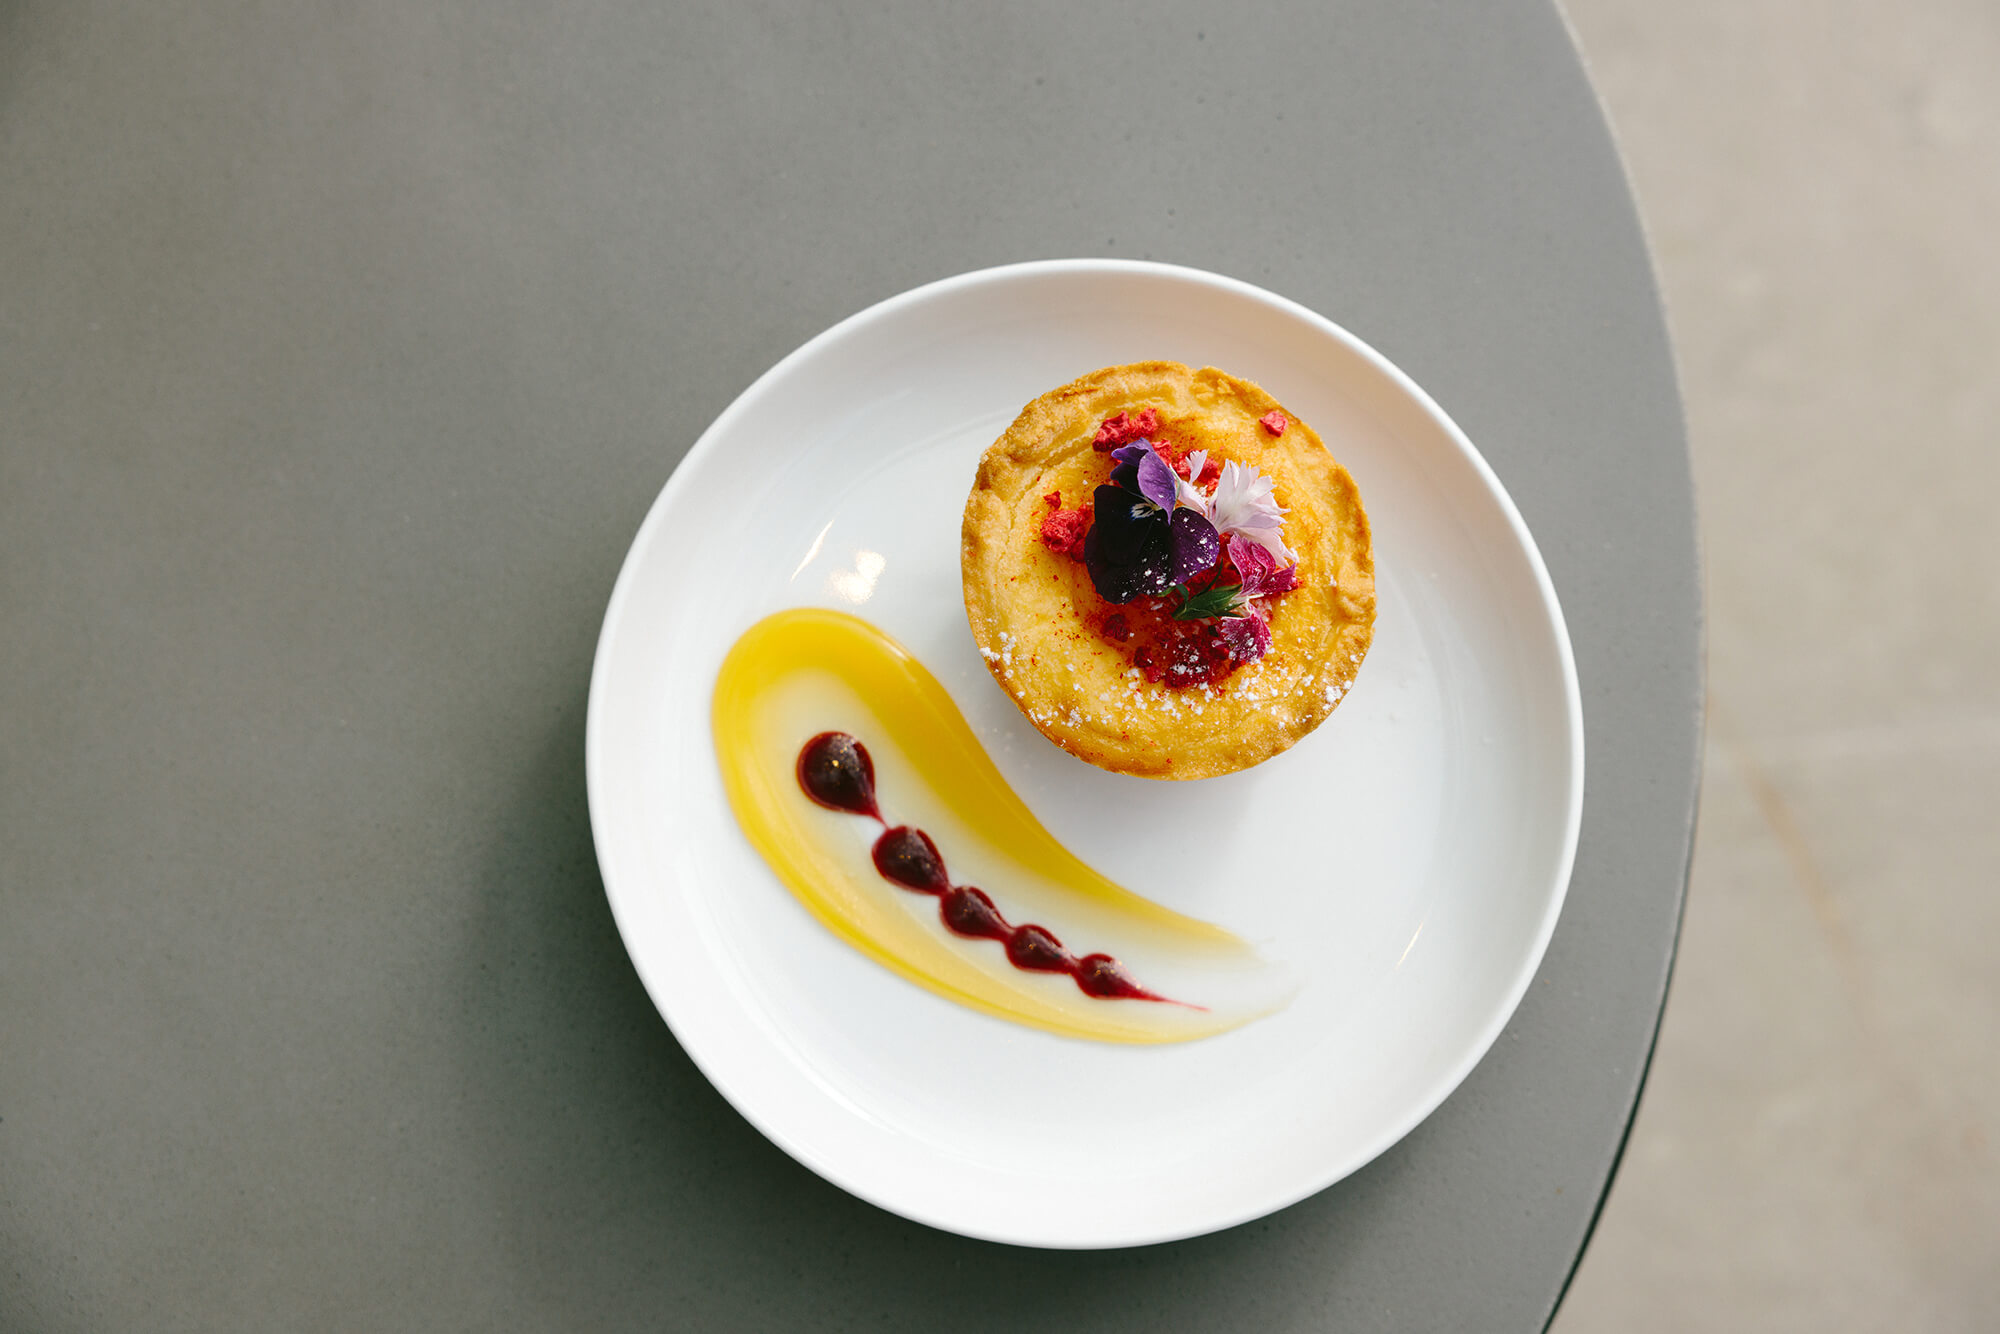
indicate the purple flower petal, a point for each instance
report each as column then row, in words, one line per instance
column 1132, row 453
column 1248, row 637
column 1196, row 544
column 1129, row 549
column 1125, row 524
column 1127, row 457
column 1156, row 481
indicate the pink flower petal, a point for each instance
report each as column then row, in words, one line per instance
column 1248, row 637
column 1254, row 565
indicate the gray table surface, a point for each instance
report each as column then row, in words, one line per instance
column 342, row 348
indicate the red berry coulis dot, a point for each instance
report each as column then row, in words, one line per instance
column 908, row 857
column 836, row 772
column 1035, row 949
column 970, row 913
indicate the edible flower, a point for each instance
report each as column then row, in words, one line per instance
column 1242, row 506
column 1126, row 459
column 1154, row 530
column 1196, row 544
column 1248, row 637
column 1192, row 544
column 1156, row 480
column 1129, row 549
column 1187, row 489
column 1262, row 576
column 1238, row 619
column 1243, row 626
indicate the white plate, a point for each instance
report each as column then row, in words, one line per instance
column 1408, row 858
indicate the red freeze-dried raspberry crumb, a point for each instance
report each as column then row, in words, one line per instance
column 1211, row 468
column 1124, row 428
column 1185, row 655
column 1116, row 627
column 1275, row 421
column 1063, row 530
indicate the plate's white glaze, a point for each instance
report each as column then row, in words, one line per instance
column 1408, row 859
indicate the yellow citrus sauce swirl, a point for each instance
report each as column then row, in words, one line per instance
column 806, row 671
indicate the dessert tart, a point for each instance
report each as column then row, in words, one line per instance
column 1167, row 571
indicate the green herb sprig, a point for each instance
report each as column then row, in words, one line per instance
column 1217, row 600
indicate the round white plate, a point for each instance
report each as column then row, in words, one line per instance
column 1408, row 859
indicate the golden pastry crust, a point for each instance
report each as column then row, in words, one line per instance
column 1032, row 610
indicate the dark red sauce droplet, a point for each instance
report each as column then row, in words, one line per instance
column 1033, row 948
column 970, row 913
column 835, row 771
column 1102, row 975
column 908, row 857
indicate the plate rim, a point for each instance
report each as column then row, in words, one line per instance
column 745, row 401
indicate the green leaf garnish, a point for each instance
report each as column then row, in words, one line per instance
column 1217, row 600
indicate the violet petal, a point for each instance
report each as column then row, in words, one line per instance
column 1129, row 549
column 1196, row 544
column 1133, row 452
column 1124, row 523
column 1156, row 480
column 1127, row 457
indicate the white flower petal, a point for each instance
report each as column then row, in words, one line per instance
column 1187, row 494
column 1272, row 540
column 1243, row 504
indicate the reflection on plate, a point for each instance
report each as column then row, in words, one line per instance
column 1408, row 859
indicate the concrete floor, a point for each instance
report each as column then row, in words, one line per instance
column 1817, row 1148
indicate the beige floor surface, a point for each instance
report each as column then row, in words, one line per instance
column 1817, row 1149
